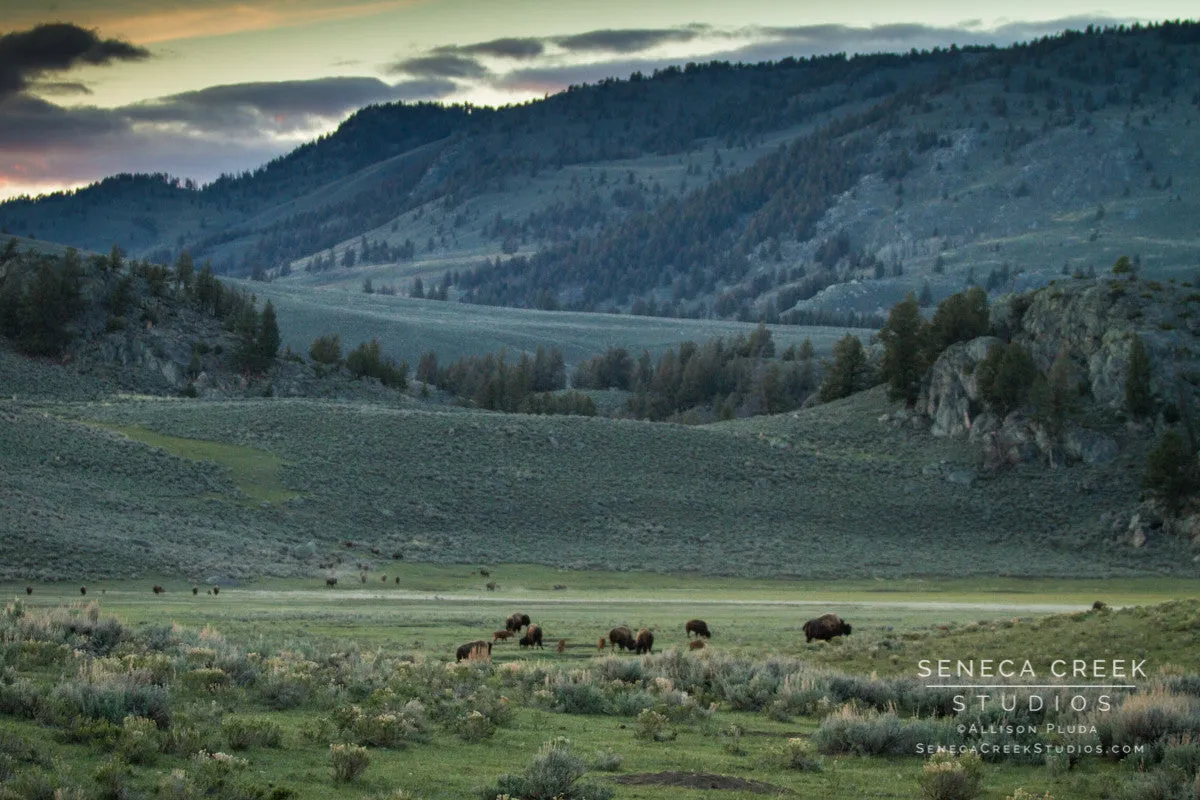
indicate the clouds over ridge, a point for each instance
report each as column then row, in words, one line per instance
column 27, row 55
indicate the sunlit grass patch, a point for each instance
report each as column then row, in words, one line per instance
column 256, row 472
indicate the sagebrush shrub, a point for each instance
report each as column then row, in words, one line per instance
column 349, row 761
column 553, row 775
column 949, row 777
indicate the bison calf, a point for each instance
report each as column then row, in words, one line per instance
column 825, row 628
column 473, row 650
column 562, row 645
column 698, row 627
column 696, row 644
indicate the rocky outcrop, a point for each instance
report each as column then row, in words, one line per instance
column 950, row 394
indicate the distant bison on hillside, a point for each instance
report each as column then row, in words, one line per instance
column 516, row 621
column 532, row 637
column 83, row 590
column 698, row 627
column 331, row 582
column 158, row 589
column 28, row 590
column 644, row 643
column 621, row 636
column 825, row 628
column 476, row 649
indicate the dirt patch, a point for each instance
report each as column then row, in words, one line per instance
column 701, row 780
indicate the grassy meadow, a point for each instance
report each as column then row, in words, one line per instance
column 267, row 675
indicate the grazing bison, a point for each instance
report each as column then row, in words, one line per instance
column 83, row 590
column 397, row 580
column 216, row 590
column 698, row 627
column 476, row 649
column 1099, row 605
column 622, row 637
column 383, row 578
column 28, row 590
column 600, row 643
column 485, row 573
column 644, row 643
column 825, row 628
column 331, row 582
column 492, row 586
column 516, row 621
column 532, row 637
column 500, row 636
column 195, row 590
column 158, row 589
column 562, row 645
column 696, row 644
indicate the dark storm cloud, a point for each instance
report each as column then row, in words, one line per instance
column 59, row 87
column 446, row 65
column 29, row 54
column 196, row 134
column 518, row 49
column 282, row 106
column 625, row 41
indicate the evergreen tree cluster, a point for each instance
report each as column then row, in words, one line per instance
column 496, row 383
column 40, row 296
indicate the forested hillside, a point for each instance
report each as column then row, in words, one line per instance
column 803, row 190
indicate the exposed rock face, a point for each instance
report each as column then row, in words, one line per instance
column 950, row 395
column 1094, row 323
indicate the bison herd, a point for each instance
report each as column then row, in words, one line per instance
column 823, row 628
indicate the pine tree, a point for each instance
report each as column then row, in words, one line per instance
column 268, row 341
column 903, row 338
column 1056, row 396
column 1171, row 471
column 847, row 374
column 184, row 271
column 1139, row 396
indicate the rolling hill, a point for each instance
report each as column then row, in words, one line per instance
column 769, row 191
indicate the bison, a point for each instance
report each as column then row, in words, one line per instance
column 516, row 621
column 698, row 627
column 532, row 637
column 696, row 644
column 331, row 582
column 500, row 636
column 83, row 590
column 195, row 590
column 825, row 628
column 485, row 573
column 622, row 637
column 600, row 643
column 644, row 643
column 28, row 590
column 492, row 586
column 216, row 590
column 473, row 650
column 562, row 645
column 158, row 589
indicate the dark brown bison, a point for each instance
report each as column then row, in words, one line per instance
column 1099, row 605
column 158, row 589
column 195, row 590
column 492, row 586
column 825, row 628
column 216, row 590
column 696, row 644
column 485, row 573
column 516, row 621
column 474, row 650
column 621, row 637
column 331, row 581
column 500, row 636
column 644, row 643
column 28, row 590
column 698, row 627
column 83, row 590
column 532, row 637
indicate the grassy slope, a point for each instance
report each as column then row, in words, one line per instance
column 406, row 328
column 826, row 493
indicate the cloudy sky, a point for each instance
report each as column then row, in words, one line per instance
column 195, row 88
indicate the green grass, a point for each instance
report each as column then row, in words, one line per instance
column 256, row 472
column 304, row 627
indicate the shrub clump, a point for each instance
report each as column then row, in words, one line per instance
column 349, row 761
column 554, row 774
column 950, row 777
